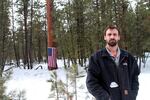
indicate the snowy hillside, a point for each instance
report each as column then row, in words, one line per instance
column 34, row 83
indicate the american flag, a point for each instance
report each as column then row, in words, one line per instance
column 52, row 62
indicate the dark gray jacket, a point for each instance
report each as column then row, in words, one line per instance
column 102, row 72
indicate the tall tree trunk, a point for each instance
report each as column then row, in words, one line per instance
column 123, row 7
column 98, row 24
column 73, row 56
column 3, row 59
column 46, row 38
column 23, row 50
column 2, row 39
column 4, row 29
column 30, row 36
column 80, row 30
column 14, row 39
column 39, row 50
column 25, row 9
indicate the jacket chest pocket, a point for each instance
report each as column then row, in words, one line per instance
column 124, row 67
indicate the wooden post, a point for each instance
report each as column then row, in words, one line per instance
column 49, row 7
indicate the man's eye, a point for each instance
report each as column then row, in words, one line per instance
column 114, row 34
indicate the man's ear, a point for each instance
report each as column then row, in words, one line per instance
column 104, row 37
column 119, row 37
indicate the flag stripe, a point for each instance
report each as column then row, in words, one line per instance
column 52, row 62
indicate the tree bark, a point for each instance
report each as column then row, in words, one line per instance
column 30, row 36
column 25, row 9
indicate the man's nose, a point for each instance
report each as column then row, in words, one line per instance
column 112, row 36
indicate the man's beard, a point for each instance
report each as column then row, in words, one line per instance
column 112, row 42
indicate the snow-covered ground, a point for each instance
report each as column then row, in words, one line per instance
column 34, row 83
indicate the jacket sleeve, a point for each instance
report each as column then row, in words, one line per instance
column 135, row 81
column 93, row 83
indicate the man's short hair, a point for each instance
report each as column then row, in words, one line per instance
column 111, row 27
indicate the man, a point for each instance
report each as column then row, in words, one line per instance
column 112, row 72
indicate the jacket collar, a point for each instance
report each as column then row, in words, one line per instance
column 104, row 53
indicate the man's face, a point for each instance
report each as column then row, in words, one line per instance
column 112, row 37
